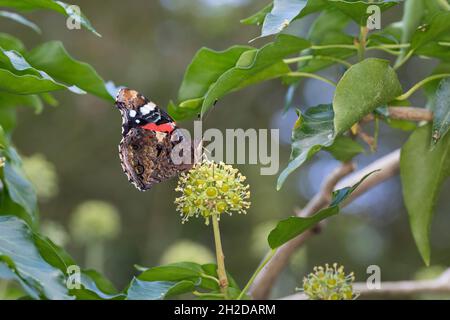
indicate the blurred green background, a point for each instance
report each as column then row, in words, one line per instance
column 146, row 45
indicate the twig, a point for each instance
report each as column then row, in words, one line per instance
column 440, row 285
column 388, row 166
column 406, row 113
column 410, row 113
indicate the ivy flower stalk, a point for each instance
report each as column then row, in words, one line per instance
column 208, row 190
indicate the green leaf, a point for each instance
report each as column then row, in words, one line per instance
column 53, row 58
column 20, row 19
column 435, row 27
column 255, row 66
column 16, row 244
column 213, row 74
column 285, row 11
column 441, row 121
column 24, row 78
column 312, row 131
column 172, row 272
column 330, row 20
column 157, row 290
column 20, row 189
column 344, row 149
column 422, row 171
column 96, row 287
column 15, row 100
column 258, row 17
column 204, row 70
column 294, row 226
column 412, row 16
column 364, row 87
column 357, row 10
column 61, row 7
column 8, row 42
column 26, row 84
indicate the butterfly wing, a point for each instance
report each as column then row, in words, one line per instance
column 145, row 156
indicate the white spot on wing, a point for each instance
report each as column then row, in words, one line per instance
column 132, row 113
column 146, row 109
column 137, row 121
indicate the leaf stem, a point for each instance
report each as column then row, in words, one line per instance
column 221, row 272
column 393, row 52
column 318, row 57
column 362, row 42
column 334, row 46
column 207, row 276
column 402, row 61
column 311, row 75
column 419, row 84
column 202, row 294
column 269, row 256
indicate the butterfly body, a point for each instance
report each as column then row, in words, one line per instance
column 148, row 137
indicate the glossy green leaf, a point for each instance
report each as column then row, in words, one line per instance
column 157, row 290
column 435, row 50
column 213, row 74
column 53, row 58
column 96, row 287
column 441, row 121
column 358, row 10
column 364, row 87
column 313, row 130
column 204, row 70
column 344, row 149
column 285, row 11
column 327, row 29
column 66, row 9
column 26, row 84
column 330, row 20
column 8, row 42
column 172, row 272
column 255, row 66
column 423, row 170
column 20, row 189
column 15, row 100
column 258, row 17
column 23, row 78
column 294, row 226
column 16, row 244
column 20, row 19
column 435, row 27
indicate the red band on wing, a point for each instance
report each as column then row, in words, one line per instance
column 165, row 127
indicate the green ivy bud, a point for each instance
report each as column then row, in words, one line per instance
column 214, row 188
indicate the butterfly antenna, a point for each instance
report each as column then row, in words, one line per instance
column 203, row 118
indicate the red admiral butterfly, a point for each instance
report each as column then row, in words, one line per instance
column 149, row 136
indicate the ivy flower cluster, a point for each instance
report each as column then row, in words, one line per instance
column 329, row 283
column 211, row 188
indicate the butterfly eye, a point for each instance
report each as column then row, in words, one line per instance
column 139, row 169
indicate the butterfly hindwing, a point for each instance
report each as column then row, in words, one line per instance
column 149, row 136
